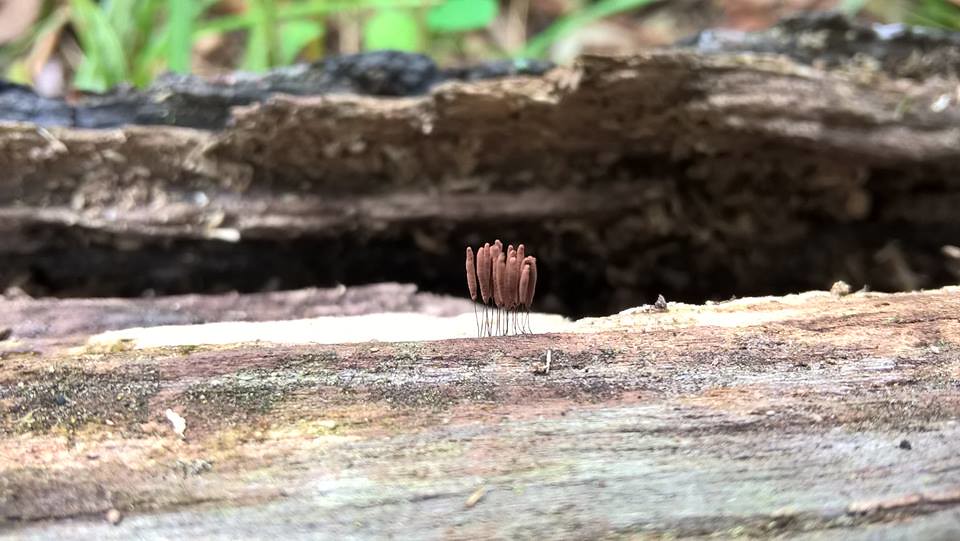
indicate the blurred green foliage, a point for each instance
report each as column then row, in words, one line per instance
column 539, row 44
column 461, row 15
column 131, row 41
column 123, row 42
column 936, row 13
column 943, row 14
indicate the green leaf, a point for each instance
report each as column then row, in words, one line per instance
column 295, row 36
column 154, row 52
column 392, row 29
column 105, row 62
column 120, row 14
column 18, row 73
column 90, row 77
column 260, row 40
column 149, row 59
column 462, row 15
column 935, row 13
column 144, row 18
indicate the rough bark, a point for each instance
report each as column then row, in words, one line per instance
column 195, row 102
column 807, row 416
column 694, row 172
column 829, row 39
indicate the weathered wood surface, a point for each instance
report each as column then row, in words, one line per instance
column 694, row 172
column 807, row 417
column 830, row 39
column 196, row 102
column 64, row 321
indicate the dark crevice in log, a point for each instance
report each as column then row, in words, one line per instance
column 887, row 257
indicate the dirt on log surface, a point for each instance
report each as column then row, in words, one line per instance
column 700, row 171
column 803, row 417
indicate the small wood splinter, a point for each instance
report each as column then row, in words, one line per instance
column 506, row 281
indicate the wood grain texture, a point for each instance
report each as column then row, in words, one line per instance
column 690, row 174
column 811, row 416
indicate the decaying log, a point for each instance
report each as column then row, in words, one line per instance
column 808, row 415
column 696, row 172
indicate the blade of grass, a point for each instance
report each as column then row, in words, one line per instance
column 256, row 57
column 120, row 16
column 90, row 76
column 295, row 36
column 270, row 31
column 918, row 19
column 105, row 62
column 180, row 43
column 145, row 17
column 938, row 13
column 151, row 57
column 242, row 21
column 539, row 44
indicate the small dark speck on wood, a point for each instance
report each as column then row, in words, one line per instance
column 5, row 333
column 905, row 445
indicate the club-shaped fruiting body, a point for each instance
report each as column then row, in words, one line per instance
column 530, row 262
column 471, row 274
column 503, row 282
column 484, row 269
